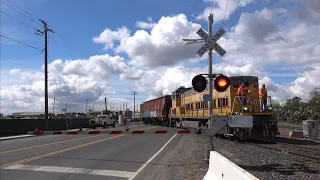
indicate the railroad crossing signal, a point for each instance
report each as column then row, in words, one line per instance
column 211, row 42
column 199, row 83
column 221, row 83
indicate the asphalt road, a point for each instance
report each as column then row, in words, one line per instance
column 82, row 157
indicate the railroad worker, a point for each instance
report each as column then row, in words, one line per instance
column 263, row 96
column 242, row 92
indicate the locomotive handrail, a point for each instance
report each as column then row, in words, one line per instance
column 233, row 103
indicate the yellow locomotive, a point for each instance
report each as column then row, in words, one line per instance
column 189, row 106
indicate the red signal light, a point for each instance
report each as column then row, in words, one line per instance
column 221, row 83
column 199, row 83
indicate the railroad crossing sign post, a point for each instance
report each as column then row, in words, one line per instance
column 210, row 44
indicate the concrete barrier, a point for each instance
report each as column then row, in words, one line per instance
column 224, row 169
column 296, row 134
column 12, row 127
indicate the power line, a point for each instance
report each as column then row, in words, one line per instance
column 225, row 12
column 50, row 37
column 18, row 20
column 71, row 42
column 234, row 16
column 21, row 42
column 201, row 12
column 55, row 32
column 32, row 19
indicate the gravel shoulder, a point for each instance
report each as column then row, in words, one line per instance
column 268, row 164
column 182, row 159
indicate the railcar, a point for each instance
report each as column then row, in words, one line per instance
column 156, row 111
column 188, row 109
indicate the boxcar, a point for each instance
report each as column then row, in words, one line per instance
column 156, row 111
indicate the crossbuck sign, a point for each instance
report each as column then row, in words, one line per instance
column 211, row 42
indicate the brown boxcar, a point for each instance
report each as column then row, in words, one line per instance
column 156, row 111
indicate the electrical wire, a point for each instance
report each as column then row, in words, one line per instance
column 55, row 31
column 21, row 42
column 225, row 12
column 234, row 16
column 32, row 19
column 18, row 20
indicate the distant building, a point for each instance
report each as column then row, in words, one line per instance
column 30, row 115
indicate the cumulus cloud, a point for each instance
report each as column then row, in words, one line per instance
column 163, row 46
column 14, row 71
column 256, row 41
column 70, row 81
column 283, row 38
column 108, row 37
column 145, row 25
column 222, row 9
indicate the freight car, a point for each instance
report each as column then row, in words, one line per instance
column 156, row 111
column 187, row 106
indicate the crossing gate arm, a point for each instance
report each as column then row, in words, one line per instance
column 224, row 169
column 39, row 133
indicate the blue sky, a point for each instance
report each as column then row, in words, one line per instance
column 82, row 20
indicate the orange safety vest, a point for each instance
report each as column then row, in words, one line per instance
column 263, row 93
column 242, row 91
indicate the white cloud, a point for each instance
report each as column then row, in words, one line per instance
column 108, row 36
column 70, row 81
column 14, row 71
column 261, row 38
column 144, row 25
column 284, row 38
column 162, row 47
column 221, row 9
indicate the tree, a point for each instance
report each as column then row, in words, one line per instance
column 314, row 102
column 295, row 110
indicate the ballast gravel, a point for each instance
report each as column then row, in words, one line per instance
column 184, row 159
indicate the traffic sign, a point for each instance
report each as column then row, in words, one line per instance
column 206, row 97
column 211, row 42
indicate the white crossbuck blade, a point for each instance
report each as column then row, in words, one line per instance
column 211, row 42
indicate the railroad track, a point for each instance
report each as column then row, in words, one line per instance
column 306, row 152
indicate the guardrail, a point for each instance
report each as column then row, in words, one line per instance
column 224, row 169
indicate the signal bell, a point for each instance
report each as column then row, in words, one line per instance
column 199, row 83
column 221, row 83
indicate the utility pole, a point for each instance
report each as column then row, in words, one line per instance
column 134, row 103
column 106, row 105
column 54, row 102
column 87, row 106
column 45, row 31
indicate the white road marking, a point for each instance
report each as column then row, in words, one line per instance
column 15, row 137
column 155, row 155
column 99, row 172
